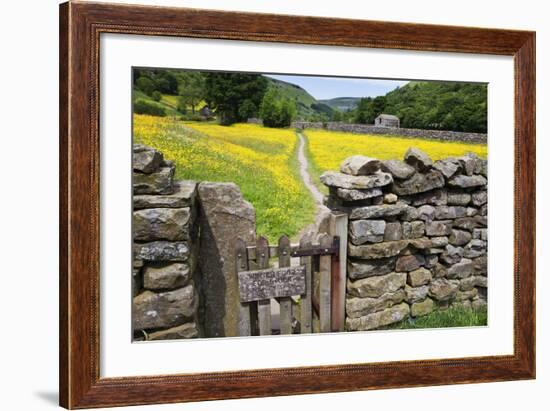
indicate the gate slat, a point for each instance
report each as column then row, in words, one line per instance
column 264, row 306
column 325, row 265
column 244, row 308
column 305, row 302
column 285, row 303
column 264, row 317
column 339, row 227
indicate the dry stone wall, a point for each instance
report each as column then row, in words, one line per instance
column 395, row 131
column 165, row 298
column 417, row 235
column 184, row 283
column 417, row 242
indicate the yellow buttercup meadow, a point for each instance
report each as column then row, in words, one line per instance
column 261, row 161
column 327, row 149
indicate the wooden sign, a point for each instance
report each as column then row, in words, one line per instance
column 271, row 283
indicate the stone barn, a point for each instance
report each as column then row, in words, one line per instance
column 387, row 120
column 206, row 113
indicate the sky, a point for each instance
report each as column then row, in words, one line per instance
column 330, row 87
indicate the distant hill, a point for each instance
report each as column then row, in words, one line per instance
column 306, row 104
column 292, row 91
column 342, row 103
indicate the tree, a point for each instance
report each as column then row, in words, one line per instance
column 337, row 116
column 276, row 111
column 191, row 91
column 166, row 82
column 288, row 112
column 248, row 109
column 228, row 92
column 378, row 107
column 362, row 111
column 156, row 95
column 318, row 118
column 269, row 111
column 146, row 85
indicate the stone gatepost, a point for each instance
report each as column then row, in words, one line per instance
column 224, row 216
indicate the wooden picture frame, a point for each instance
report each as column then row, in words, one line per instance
column 80, row 27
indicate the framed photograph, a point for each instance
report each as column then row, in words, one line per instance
column 259, row 205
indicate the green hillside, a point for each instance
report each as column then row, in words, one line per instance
column 306, row 104
column 440, row 105
column 167, row 102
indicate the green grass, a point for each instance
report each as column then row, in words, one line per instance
column 164, row 103
column 452, row 317
column 171, row 101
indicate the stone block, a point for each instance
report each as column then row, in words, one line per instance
column 413, row 229
column 448, row 167
column 449, row 212
column 460, row 237
column 398, row 169
column 153, row 224
column 180, row 332
column 162, row 251
column 419, row 277
column 418, row 159
column 379, row 250
column 158, row 182
column 411, row 262
column 368, row 268
column 341, row 180
column 463, row 181
column 379, row 319
column 374, row 287
column 166, row 276
column 360, row 165
column 443, row 290
column 416, row 294
column 183, row 195
column 419, row 183
column 393, row 231
column 367, row 231
column 162, row 310
column 146, row 159
column 422, row 308
column 357, row 195
column 438, row 228
column 458, row 198
column 377, row 211
column 359, row 307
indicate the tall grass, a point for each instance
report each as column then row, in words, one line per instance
column 452, row 317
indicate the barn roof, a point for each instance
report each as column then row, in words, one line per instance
column 388, row 117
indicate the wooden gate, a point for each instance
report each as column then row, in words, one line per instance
column 307, row 280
